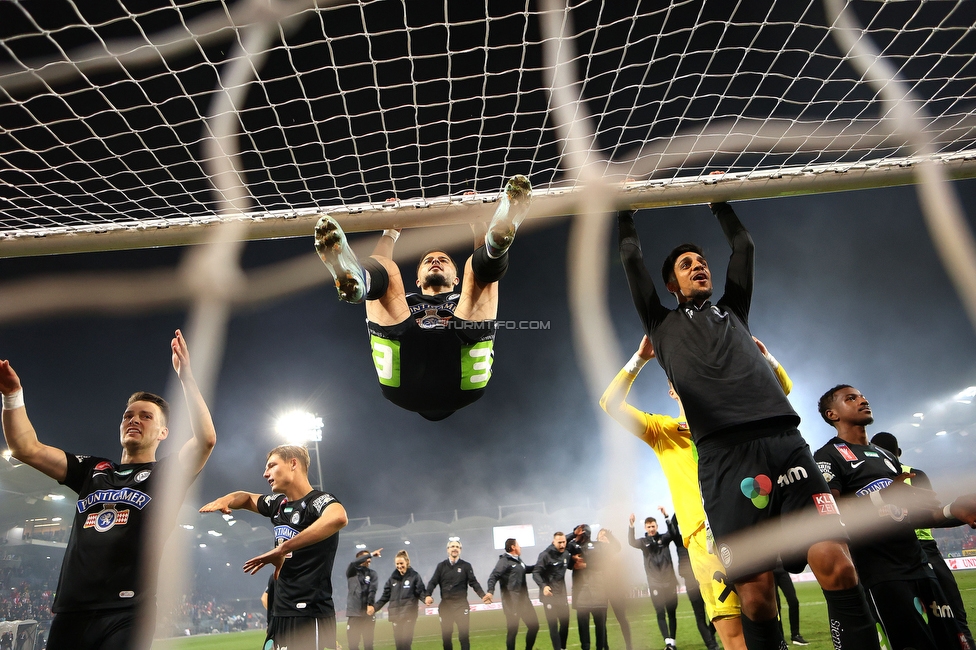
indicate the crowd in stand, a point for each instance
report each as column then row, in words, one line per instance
column 204, row 615
column 25, row 595
column 954, row 541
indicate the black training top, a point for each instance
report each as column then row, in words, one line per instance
column 707, row 351
column 550, row 570
column 858, row 470
column 454, row 580
column 657, row 555
column 102, row 567
column 304, row 586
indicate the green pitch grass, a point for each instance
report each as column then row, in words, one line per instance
column 488, row 628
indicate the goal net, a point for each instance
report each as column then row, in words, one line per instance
column 387, row 113
column 189, row 119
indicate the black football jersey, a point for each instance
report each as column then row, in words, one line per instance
column 304, row 586
column 858, row 470
column 103, row 560
column 433, row 312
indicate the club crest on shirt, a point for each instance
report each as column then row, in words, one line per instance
column 431, row 319
column 295, row 518
column 143, row 475
column 107, row 519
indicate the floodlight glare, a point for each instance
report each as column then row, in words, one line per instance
column 7, row 454
column 299, row 427
column 966, row 396
column 941, row 433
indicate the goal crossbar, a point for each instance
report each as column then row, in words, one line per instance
column 475, row 207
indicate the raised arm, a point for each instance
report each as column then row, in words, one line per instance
column 19, row 432
column 196, row 451
column 631, row 538
column 614, row 400
column 740, row 277
column 332, row 520
column 642, row 290
column 233, row 501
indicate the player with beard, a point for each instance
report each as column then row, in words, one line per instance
column 102, row 584
column 549, row 573
column 432, row 350
column 454, row 576
column 892, row 566
column 744, row 428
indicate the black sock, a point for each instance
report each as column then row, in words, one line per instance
column 763, row 635
column 851, row 622
column 377, row 278
column 486, row 268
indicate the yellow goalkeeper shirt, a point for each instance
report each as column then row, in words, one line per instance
column 671, row 441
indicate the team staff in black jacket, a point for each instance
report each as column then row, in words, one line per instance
column 454, row 576
column 589, row 595
column 549, row 573
column 510, row 572
column 404, row 591
column 659, row 569
column 362, row 596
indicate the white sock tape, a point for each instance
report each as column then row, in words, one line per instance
column 13, row 400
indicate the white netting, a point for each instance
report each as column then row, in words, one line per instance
column 115, row 121
column 104, row 113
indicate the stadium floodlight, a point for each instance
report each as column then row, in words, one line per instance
column 54, row 497
column 966, row 396
column 302, row 428
column 299, row 427
column 360, row 546
column 7, row 454
column 942, row 433
column 215, row 533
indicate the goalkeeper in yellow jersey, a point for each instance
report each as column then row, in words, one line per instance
column 670, row 438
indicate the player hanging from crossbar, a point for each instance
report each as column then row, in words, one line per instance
column 432, row 350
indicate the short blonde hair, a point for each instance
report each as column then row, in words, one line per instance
column 292, row 452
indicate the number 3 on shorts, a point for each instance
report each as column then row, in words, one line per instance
column 386, row 358
column 476, row 363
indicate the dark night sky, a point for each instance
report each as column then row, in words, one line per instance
column 849, row 289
